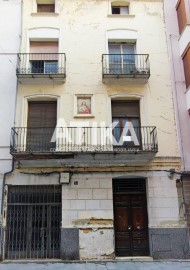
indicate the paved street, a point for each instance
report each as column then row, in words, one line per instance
column 98, row 266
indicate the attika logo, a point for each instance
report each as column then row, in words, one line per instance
column 79, row 132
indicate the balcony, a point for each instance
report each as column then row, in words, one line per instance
column 41, row 68
column 85, row 145
column 125, row 68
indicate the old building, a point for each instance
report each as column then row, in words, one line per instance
column 9, row 46
column 177, row 15
column 95, row 141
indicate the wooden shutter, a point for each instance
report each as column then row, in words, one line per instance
column 41, row 125
column 44, row 50
column 122, row 108
column 186, row 64
column 181, row 14
column 42, row 114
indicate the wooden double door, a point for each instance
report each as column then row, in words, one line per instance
column 130, row 223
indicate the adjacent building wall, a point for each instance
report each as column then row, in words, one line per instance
column 10, row 32
column 176, row 48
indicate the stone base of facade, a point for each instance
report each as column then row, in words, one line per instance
column 69, row 244
column 164, row 243
column 169, row 243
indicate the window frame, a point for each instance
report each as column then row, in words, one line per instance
column 123, row 65
column 120, row 4
column 46, row 5
column 120, row 7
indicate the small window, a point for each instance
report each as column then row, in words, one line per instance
column 46, row 8
column 186, row 64
column 123, row 10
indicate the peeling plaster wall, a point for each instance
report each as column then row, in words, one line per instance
column 96, row 244
column 83, row 26
column 87, row 201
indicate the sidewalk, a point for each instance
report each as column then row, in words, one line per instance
column 156, row 265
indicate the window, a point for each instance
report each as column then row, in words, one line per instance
column 123, row 10
column 121, row 58
column 45, row 7
column 120, row 7
column 44, row 57
column 44, row 66
column 181, row 14
column 123, row 112
column 186, row 64
column 42, row 119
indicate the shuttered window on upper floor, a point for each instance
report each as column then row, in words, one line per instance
column 44, row 50
column 186, row 64
column 42, row 114
column 122, row 108
column 181, row 14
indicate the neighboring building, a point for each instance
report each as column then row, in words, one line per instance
column 75, row 193
column 10, row 39
column 177, row 16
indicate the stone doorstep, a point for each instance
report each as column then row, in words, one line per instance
column 44, row 261
column 116, row 260
column 139, row 259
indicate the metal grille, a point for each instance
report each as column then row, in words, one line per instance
column 33, row 222
column 132, row 185
column 126, row 65
column 86, row 139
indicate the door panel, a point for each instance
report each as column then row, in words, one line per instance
column 121, row 215
column 130, row 224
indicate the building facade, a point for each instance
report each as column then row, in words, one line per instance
column 95, row 141
column 9, row 46
column 177, row 14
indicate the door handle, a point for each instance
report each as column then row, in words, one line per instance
column 129, row 227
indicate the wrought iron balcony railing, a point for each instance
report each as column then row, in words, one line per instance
column 84, row 139
column 36, row 65
column 126, row 65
